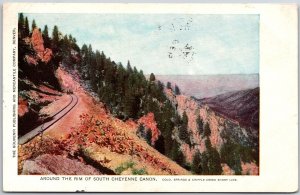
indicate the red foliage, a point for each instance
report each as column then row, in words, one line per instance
column 22, row 107
column 47, row 54
column 92, row 130
column 149, row 122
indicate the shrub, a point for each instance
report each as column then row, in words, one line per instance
column 139, row 171
column 124, row 166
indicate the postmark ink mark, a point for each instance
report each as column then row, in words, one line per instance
column 179, row 50
column 177, row 24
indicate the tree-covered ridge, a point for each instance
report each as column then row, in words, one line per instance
column 128, row 94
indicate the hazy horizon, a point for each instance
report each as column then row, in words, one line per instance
column 199, row 74
column 203, row 86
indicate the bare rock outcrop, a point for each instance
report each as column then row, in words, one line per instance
column 44, row 54
column 47, row 164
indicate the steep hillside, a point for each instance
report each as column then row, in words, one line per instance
column 90, row 134
column 237, row 145
column 242, row 106
column 114, row 125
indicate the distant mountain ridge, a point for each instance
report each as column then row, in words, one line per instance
column 242, row 106
column 204, row 86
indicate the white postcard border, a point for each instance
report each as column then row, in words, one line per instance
column 278, row 103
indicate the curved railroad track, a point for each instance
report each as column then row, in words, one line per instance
column 56, row 117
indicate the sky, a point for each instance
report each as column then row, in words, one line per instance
column 167, row 44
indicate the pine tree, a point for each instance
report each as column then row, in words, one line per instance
column 55, row 35
column 129, row 69
column 71, row 40
column 208, row 144
column 183, row 130
column 135, row 71
column 176, row 153
column 152, row 77
column 98, row 66
column 214, row 162
column 84, row 61
column 45, row 31
column 21, row 24
column 213, row 159
column 183, row 134
column 185, row 119
column 207, row 130
column 64, row 44
column 196, row 164
column 33, row 25
column 177, row 90
column 21, row 21
column 26, row 28
column 128, row 104
column 46, row 37
column 56, row 46
column 169, row 86
column 204, row 163
column 199, row 124
column 91, row 66
column 23, row 29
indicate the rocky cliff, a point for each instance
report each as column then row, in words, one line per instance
column 223, row 131
column 37, row 43
column 47, row 164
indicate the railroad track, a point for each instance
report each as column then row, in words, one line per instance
column 56, row 117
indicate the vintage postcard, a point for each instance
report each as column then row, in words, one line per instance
column 150, row 97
